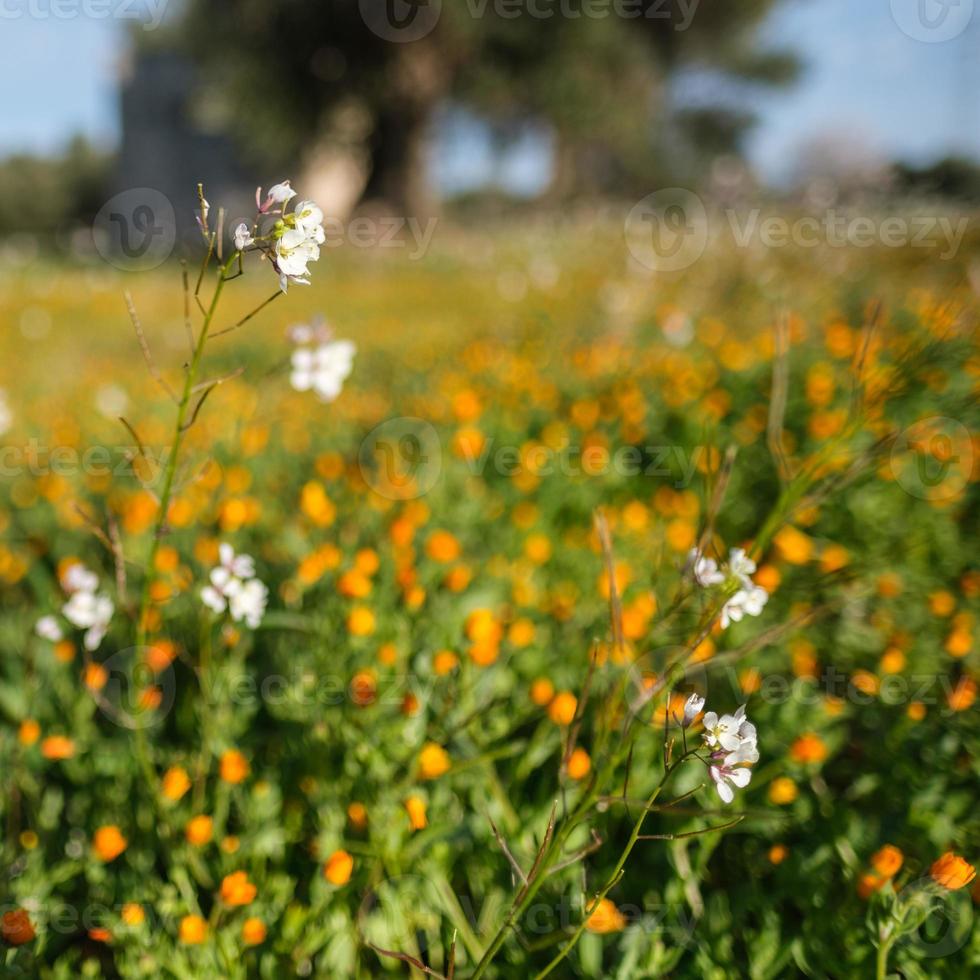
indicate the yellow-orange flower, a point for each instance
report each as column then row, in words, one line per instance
column 361, row 621
column 778, row 853
column 963, row 694
column 869, row 883
column 175, row 783
column 193, row 930
column 444, row 662
column 234, row 766
column 793, row 545
column 29, row 732
column 57, row 747
column 782, row 791
column 108, row 842
column 236, row 889
column 415, row 806
column 133, row 914
column 433, row 761
column 952, row 872
column 338, row 868
column 562, row 708
column 253, row 931
column 808, row 748
column 357, row 815
column 441, row 546
column 542, row 691
column 579, row 764
column 887, row 861
column 606, row 918
column 199, row 830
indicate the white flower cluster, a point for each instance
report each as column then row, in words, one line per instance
column 733, row 743
column 750, row 599
column 233, row 587
column 85, row 609
column 320, row 364
column 295, row 239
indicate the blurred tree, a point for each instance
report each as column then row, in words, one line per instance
column 67, row 190
column 290, row 76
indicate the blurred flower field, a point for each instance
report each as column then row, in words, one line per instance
column 491, row 565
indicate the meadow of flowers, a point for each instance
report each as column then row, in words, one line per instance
column 505, row 614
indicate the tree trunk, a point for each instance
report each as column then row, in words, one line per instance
column 399, row 144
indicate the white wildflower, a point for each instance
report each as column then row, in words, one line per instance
column 77, row 578
column 248, row 601
column 734, row 743
column 740, row 565
column 692, row 708
column 704, row 570
column 89, row 612
column 323, row 369
column 750, row 601
column 278, row 194
column 309, row 219
column 47, row 628
column 243, row 237
column 233, row 587
column 295, row 250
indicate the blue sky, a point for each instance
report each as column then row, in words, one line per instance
column 863, row 76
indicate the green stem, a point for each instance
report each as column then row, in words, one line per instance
column 190, row 377
column 142, row 749
column 617, row 872
column 554, row 850
column 881, row 970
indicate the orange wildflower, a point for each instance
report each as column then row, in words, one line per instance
column 887, row 861
column 952, row 872
column 193, row 930
column 236, row 889
column 199, row 830
column 433, row 761
column 253, row 931
column 234, row 766
column 16, row 927
column 108, row 843
column 338, row 868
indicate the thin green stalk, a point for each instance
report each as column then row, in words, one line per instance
column 618, row 871
column 190, row 378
